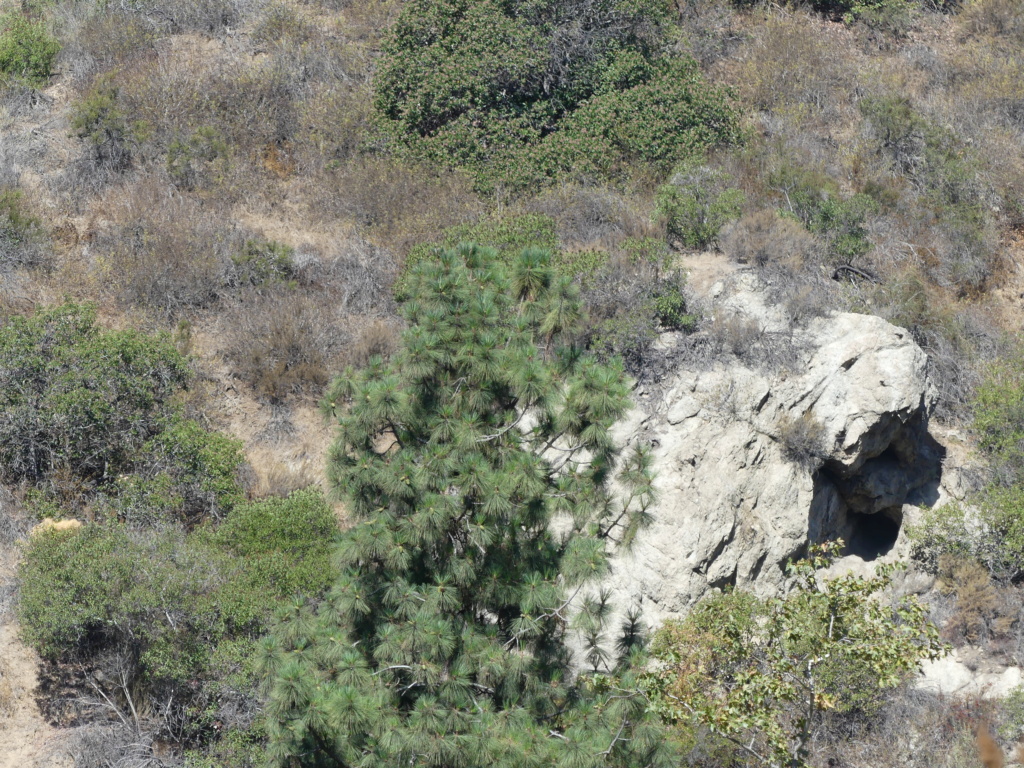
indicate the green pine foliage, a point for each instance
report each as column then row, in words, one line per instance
column 476, row 465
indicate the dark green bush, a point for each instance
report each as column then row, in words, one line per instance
column 72, row 395
column 91, row 413
column 185, row 473
column 27, row 49
column 183, row 612
column 999, row 418
column 522, row 92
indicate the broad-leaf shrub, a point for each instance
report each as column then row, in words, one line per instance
column 522, row 92
column 95, row 409
column 176, row 605
column 760, row 674
column 27, row 49
column 76, row 396
column 696, row 203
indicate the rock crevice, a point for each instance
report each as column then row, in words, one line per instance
column 734, row 505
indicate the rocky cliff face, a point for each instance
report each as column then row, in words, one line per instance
column 754, row 463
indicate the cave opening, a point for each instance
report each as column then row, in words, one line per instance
column 872, row 536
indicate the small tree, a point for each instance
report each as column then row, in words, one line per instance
column 760, row 674
column 443, row 643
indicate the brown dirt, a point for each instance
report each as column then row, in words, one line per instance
column 26, row 739
column 705, row 269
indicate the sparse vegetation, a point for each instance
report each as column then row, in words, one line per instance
column 803, row 440
column 263, row 181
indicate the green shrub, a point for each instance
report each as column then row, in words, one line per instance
column 264, row 261
column 191, row 160
column 93, row 412
column 27, row 49
column 523, row 92
column 284, row 544
column 182, row 611
column 814, row 200
column 185, row 473
column 581, row 266
column 674, row 116
column 100, row 118
column 696, row 204
column 647, row 250
column 629, row 305
column 989, row 529
column 73, row 395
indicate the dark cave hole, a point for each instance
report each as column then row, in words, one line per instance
column 872, row 536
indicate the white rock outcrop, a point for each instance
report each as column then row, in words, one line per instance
column 733, row 505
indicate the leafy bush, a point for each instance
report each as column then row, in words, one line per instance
column 629, row 304
column 814, row 200
column 521, row 92
column 100, row 118
column 185, row 473
column 27, row 50
column 193, row 160
column 75, row 396
column 176, row 615
column 696, row 204
column 762, row 674
column 86, row 411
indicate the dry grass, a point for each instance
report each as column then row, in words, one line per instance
column 282, row 344
column 401, row 205
column 163, row 252
column 803, row 440
column 590, row 217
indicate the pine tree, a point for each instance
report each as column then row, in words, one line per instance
column 477, row 465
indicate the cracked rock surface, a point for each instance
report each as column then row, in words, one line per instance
column 733, row 503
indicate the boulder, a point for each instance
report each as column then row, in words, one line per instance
column 741, row 490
